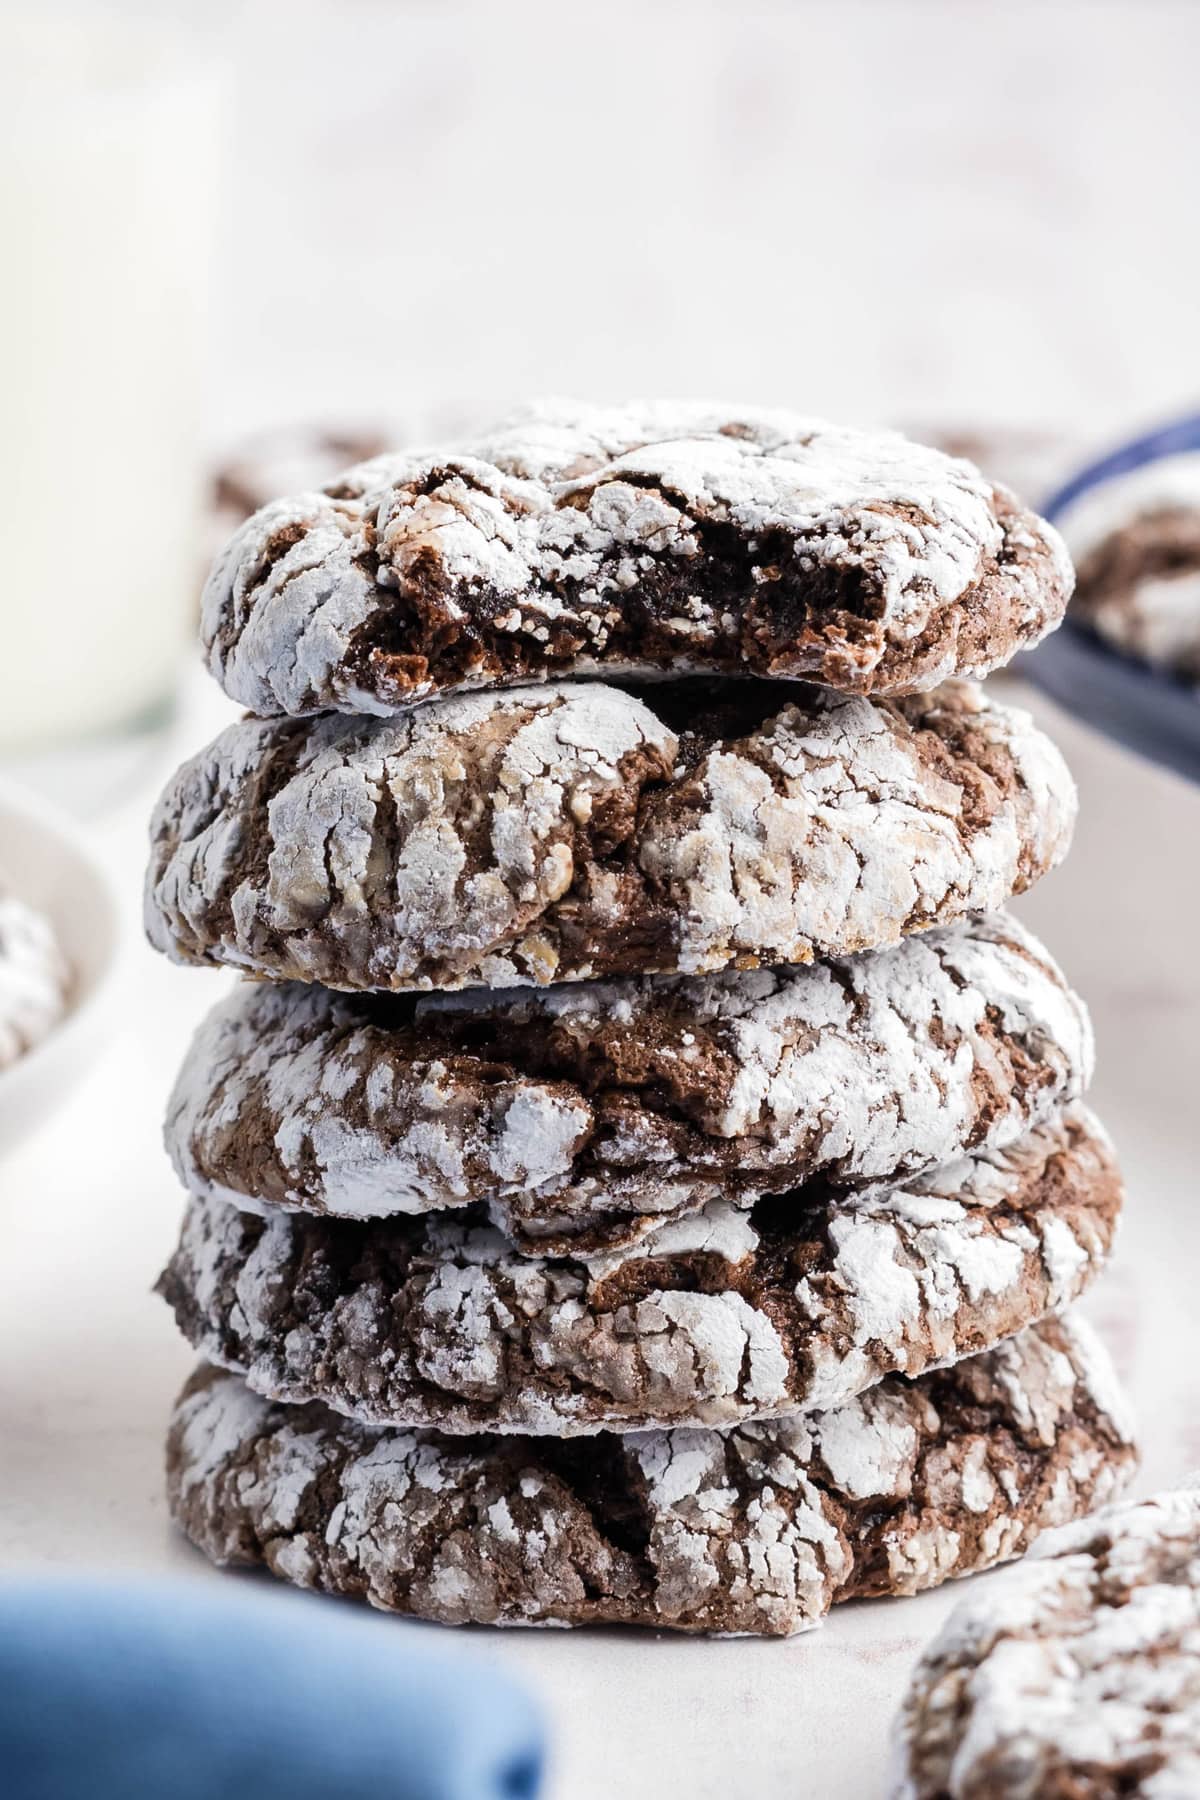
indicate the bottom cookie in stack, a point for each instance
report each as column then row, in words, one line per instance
column 759, row 1529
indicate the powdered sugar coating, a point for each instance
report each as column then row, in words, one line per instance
column 34, row 978
column 567, row 833
column 724, row 1316
column 582, row 1114
column 1166, row 484
column 650, row 536
column 1137, row 540
column 1078, row 1676
column 1157, row 620
column 759, row 1529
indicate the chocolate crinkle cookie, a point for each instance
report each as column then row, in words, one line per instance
column 285, row 459
column 35, row 978
column 759, row 1529
column 658, row 538
column 573, row 832
column 1136, row 540
column 725, row 1316
column 1077, row 1678
column 1032, row 460
column 581, row 1116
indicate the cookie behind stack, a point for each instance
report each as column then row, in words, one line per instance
column 667, row 1222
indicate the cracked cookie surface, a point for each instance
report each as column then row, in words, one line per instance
column 576, row 832
column 759, row 1529
column 582, row 1115
column 724, row 1316
column 1077, row 1678
column 655, row 538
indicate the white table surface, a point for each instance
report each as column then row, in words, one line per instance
column 89, row 1360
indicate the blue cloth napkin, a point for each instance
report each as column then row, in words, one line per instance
column 184, row 1690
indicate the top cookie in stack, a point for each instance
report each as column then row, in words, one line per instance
column 650, row 540
column 667, row 700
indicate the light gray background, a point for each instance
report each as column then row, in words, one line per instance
column 921, row 207
column 936, row 211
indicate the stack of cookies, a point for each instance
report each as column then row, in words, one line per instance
column 643, row 1178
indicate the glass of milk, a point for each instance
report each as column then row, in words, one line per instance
column 109, row 149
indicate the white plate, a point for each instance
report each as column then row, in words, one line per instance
column 44, row 861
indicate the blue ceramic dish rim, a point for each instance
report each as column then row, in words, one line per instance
column 1174, row 439
column 1143, row 708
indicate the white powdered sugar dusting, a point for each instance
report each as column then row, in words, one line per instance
column 1158, row 620
column 444, row 1324
column 759, row 1529
column 520, row 838
column 1080, row 1672
column 845, row 829
column 34, row 978
column 868, row 1068
column 552, row 521
column 1166, row 483
column 1136, row 537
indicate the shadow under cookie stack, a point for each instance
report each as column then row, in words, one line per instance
column 645, row 1177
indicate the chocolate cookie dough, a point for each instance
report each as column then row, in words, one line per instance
column 759, row 1529
column 1077, row 1678
column 724, row 1316
column 658, row 538
column 1137, row 543
column 583, row 1115
column 575, row 832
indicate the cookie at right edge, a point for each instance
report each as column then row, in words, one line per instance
column 1077, row 1678
column 756, row 1530
column 1136, row 539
